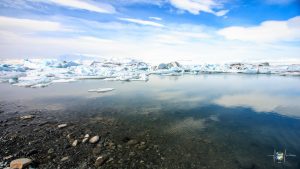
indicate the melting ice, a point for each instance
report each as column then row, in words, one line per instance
column 41, row 73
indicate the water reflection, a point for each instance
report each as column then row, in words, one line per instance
column 260, row 102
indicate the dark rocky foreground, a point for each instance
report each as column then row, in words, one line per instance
column 36, row 135
column 53, row 139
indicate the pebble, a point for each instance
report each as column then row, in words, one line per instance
column 74, row 144
column 101, row 160
column 65, row 159
column 94, row 139
column 20, row 163
column 69, row 136
column 27, row 117
column 85, row 140
column 132, row 142
column 62, row 126
column 8, row 157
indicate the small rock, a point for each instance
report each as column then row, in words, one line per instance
column 8, row 157
column 27, row 117
column 101, row 160
column 132, row 142
column 94, row 139
column 85, row 140
column 74, row 144
column 65, row 158
column 70, row 136
column 62, row 126
column 20, row 163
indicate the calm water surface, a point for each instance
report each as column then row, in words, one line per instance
column 218, row 120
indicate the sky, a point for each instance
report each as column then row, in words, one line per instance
column 209, row 31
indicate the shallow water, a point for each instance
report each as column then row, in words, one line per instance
column 201, row 121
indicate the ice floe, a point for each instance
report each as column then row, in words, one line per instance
column 43, row 72
column 101, row 90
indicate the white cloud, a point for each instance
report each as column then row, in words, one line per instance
column 118, row 39
column 180, row 37
column 142, row 22
column 155, row 18
column 23, row 25
column 29, row 45
column 221, row 13
column 197, row 6
column 268, row 31
column 85, row 5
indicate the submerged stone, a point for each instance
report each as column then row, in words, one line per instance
column 101, row 160
column 20, row 163
column 94, row 139
column 74, row 144
column 62, row 126
column 65, row 158
column 27, row 117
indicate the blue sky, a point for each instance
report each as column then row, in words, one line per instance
column 152, row 30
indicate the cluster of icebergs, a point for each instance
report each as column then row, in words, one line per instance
column 41, row 73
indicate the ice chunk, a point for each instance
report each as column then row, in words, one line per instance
column 101, row 90
column 63, row 80
column 13, row 80
column 30, row 64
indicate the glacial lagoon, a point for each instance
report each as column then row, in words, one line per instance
column 220, row 121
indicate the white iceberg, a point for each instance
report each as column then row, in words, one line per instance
column 101, row 90
column 43, row 72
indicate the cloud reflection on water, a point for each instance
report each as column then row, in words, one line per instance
column 261, row 102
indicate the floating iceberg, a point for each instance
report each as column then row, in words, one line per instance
column 101, row 90
column 43, row 72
